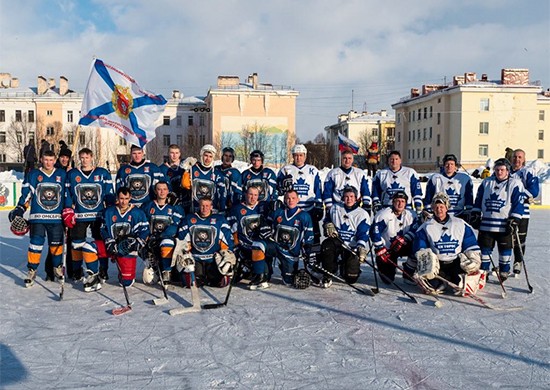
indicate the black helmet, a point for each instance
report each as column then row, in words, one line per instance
column 503, row 161
column 229, row 150
column 257, row 153
column 400, row 195
column 450, row 157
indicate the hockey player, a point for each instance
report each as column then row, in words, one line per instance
column 346, row 175
column 203, row 181
column 44, row 189
column 173, row 172
column 248, row 225
column 531, row 184
column 457, row 185
column 90, row 189
column 448, row 243
column 396, row 178
column 207, row 239
column 232, row 179
column 139, row 176
column 125, row 229
column 305, row 180
column 499, row 203
column 164, row 220
column 392, row 233
column 349, row 224
column 262, row 177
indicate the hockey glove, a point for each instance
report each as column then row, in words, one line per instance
column 285, row 184
column 330, row 230
column 376, row 207
column 368, row 208
column 512, row 225
column 69, row 218
column 362, row 254
column 172, row 199
column 397, row 244
column 383, row 254
column 425, row 215
column 188, row 163
column 18, row 211
column 470, row 261
column 111, row 247
column 475, row 219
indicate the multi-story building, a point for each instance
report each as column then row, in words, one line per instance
column 252, row 115
column 362, row 128
column 475, row 119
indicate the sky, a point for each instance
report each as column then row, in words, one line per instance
column 339, row 55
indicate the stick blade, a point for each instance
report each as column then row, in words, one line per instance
column 213, row 305
column 160, row 301
column 121, row 310
column 184, row 310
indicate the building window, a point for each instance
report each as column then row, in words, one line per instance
column 191, row 139
column 2, row 158
column 409, row 154
column 70, row 116
column 418, row 135
column 425, row 112
column 483, row 127
column 418, row 153
column 31, row 136
column 2, row 137
column 201, row 120
column 424, row 134
column 166, row 139
column 414, row 134
column 70, row 137
column 419, row 115
column 375, row 132
column 18, row 117
column 166, row 120
column 190, row 120
column 49, row 130
column 82, row 138
column 439, row 140
column 179, row 139
column 430, row 153
column 540, row 153
column 484, row 150
column 423, row 153
column 541, row 115
column 203, row 139
column 178, row 121
column 122, row 141
column 19, row 136
column 399, row 118
column 484, row 104
column 31, row 116
column 2, row 116
column 49, row 112
column 431, row 111
column 439, row 100
column 398, row 136
column 430, row 133
column 541, row 135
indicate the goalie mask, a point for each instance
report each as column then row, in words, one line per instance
column 442, row 198
column 19, row 226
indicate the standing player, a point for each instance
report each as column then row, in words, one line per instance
column 232, row 179
column 125, row 230
column 500, row 203
column 173, row 172
column 263, row 178
column 44, row 189
column 531, row 184
column 396, row 178
column 90, row 190
column 139, row 176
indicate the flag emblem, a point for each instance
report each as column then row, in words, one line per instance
column 122, row 101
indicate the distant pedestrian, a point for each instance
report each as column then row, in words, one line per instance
column 44, row 146
column 29, row 154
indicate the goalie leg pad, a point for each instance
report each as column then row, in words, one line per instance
column 351, row 269
column 472, row 283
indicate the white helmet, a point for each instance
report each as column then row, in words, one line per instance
column 208, row 148
column 299, row 148
column 442, row 198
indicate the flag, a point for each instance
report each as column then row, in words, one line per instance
column 114, row 99
column 344, row 143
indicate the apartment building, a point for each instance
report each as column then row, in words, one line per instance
column 475, row 119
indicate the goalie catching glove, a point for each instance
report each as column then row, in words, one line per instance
column 470, row 261
column 188, row 163
column 185, row 262
column 427, row 264
column 225, row 260
column 330, row 230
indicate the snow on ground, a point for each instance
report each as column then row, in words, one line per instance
column 279, row 338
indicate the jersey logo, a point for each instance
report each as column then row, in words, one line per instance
column 139, row 185
column 78, row 179
column 89, row 196
column 127, row 171
column 48, row 195
column 446, row 244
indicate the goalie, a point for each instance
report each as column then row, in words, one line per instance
column 446, row 249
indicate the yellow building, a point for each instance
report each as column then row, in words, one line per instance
column 475, row 119
column 251, row 115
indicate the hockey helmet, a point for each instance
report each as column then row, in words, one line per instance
column 400, row 195
column 503, row 162
column 208, row 149
column 299, row 148
column 450, row 157
column 350, row 189
column 19, row 226
column 442, row 198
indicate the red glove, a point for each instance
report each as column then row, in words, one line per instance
column 398, row 243
column 383, row 254
column 69, row 219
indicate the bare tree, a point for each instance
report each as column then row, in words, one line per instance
column 18, row 135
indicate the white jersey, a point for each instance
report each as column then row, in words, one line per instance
column 306, row 182
column 387, row 225
column 386, row 183
column 459, row 188
column 337, row 179
column 530, row 181
column 352, row 224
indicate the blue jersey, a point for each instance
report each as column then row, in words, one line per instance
column 458, row 187
column 498, row 201
column 387, row 225
column 172, row 174
column 264, row 180
column 165, row 220
column 292, row 231
column 386, row 183
column 446, row 239
column 531, row 185
column 140, row 179
column 306, row 182
column 206, row 236
column 205, row 182
column 339, row 178
column 233, row 185
column 90, row 192
column 117, row 225
column 47, row 195
column 248, row 223
column 352, row 224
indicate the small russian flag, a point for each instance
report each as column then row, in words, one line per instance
column 344, row 143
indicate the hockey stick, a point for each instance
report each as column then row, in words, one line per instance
column 161, row 301
column 195, row 300
column 63, row 266
column 376, row 271
column 500, row 281
column 231, row 283
column 368, row 292
column 522, row 260
column 376, row 289
column 122, row 309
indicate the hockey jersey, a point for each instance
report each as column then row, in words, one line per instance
column 266, row 181
column 292, row 231
column 387, row 225
column 90, row 192
column 233, row 185
column 140, row 179
column 498, row 201
column 446, row 239
column 206, row 236
column 530, row 183
column 117, row 225
column 205, row 182
column 459, row 188
column 165, row 220
column 172, row 174
column 386, row 183
column 352, row 224
column 248, row 223
column 306, row 182
column 339, row 178
column 47, row 195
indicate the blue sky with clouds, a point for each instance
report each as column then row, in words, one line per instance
column 323, row 49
